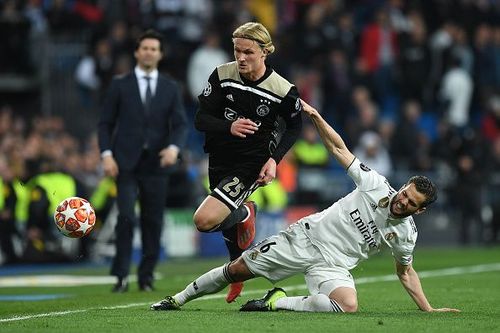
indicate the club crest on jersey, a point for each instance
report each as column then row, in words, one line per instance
column 254, row 255
column 384, row 202
column 207, row 90
column 390, row 236
column 364, row 167
column 263, row 110
column 230, row 114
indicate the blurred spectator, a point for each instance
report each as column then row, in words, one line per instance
column 62, row 18
column 337, row 88
column 490, row 126
column 308, row 82
column 397, row 17
column 34, row 12
column 440, row 43
column 373, row 153
column 496, row 57
column 272, row 198
column 465, row 198
column 119, row 40
column 461, row 49
column 378, row 53
column 484, row 62
column 406, row 135
column 364, row 117
column 95, row 71
column 309, row 151
column 15, row 57
column 265, row 12
column 196, row 19
column 286, row 172
column 415, row 61
column 225, row 21
column 311, row 35
column 8, row 227
column 494, row 191
column 346, row 36
column 207, row 56
column 467, row 189
column 446, row 144
column 167, row 17
column 456, row 93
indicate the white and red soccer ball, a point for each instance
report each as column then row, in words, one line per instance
column 74, row 217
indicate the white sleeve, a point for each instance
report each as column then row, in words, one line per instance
column 365, row 178
column 403, row 245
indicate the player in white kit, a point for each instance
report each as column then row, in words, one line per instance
column 326, row 245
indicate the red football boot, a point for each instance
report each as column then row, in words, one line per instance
column 246, row 228
column 234, row 291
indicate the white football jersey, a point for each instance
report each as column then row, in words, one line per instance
column 359, row 224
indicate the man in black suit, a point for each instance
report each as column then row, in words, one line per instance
column 142, row 128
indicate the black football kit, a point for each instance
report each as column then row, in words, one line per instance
column 271, row 102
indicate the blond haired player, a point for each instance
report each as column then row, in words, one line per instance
column 250, row 116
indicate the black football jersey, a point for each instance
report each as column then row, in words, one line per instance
column 271, row 102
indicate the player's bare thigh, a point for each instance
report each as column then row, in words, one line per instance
column 210, row 213
column 345, row 297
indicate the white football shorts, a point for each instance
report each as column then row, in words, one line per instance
column 291, row 252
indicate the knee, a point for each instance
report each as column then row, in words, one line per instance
column 346, row 298
column 349, row 305
column 203, row 222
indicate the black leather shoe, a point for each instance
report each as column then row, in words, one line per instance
column 146, row 286
column 121, row 286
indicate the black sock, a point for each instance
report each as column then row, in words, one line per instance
column 230, row 238
column 237, row 215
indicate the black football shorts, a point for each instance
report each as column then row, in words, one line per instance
column 232, row 183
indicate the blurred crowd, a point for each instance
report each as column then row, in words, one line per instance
column 413, row 86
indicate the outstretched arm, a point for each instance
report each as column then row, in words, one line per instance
column 411, row 283
column 331, row 139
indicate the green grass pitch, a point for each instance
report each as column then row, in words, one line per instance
column 467, row 279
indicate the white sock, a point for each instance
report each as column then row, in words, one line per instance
column 312, row 303
column 209, row 283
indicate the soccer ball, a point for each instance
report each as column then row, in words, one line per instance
column 74, row 217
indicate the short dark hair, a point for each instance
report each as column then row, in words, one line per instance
column 425, row 186
column 149, row 34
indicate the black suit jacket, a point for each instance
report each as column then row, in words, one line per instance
column 125, row 128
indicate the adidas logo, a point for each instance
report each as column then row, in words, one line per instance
column 230, row 97
column 374, row 206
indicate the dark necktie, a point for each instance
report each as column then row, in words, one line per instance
column 149, row 95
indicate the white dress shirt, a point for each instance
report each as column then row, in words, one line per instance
column 143, row 83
